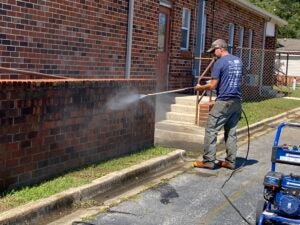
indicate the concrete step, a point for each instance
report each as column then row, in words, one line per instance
column 189, row 100
column 177, row 129
column 172, row 135
column 183, row 127
column 180, row 117
column 179, row 140
column 183, row 109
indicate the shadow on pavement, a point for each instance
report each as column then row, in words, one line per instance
column 241, row 161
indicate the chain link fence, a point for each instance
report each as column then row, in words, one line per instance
column 263, row 74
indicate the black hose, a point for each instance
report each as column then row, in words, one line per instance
column 247, row 153
column 82, row 223
column 237, row 169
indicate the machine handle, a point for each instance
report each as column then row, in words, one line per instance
column 281, row 125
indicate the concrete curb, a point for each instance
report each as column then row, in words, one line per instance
column 34, row 210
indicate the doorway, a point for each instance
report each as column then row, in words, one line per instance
column 163, row 48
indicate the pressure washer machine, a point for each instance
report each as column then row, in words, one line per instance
column 281, row 204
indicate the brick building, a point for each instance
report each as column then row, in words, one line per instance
column 98, row 39
column 50, row 126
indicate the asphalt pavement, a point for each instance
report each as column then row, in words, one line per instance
column 194, row 197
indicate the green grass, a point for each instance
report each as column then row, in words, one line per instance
column 257, row 111
column 16, row 198
column 295, row 93
column 289, row 90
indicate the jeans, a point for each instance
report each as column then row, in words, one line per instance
column 223, row 114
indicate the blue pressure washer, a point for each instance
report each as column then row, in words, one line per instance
column 281, row 204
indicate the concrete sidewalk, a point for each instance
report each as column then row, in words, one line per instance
column 35, row 210
column 293, row 98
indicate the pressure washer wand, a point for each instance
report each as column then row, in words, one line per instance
column 166, row 92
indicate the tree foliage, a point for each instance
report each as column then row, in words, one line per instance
column 288, row 10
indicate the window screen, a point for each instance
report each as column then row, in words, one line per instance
column 241, row 42
column 250, row 40
column 185, row 28
column 230, row 37
column 162, row 32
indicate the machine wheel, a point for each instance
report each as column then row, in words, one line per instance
column 261, row 206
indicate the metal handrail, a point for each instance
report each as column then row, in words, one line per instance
column 199, row 98
column 279, row 73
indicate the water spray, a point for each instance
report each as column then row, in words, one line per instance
column 122, row 99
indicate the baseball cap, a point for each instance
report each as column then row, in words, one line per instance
column 220, row 43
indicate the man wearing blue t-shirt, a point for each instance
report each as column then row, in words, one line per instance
column 226, row 79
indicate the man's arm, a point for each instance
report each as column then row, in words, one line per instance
column 212, row 85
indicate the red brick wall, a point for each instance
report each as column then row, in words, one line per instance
column 181, row 62
column 204, row 109
column 47, row 127
column 82, row 38
column 269, row 61
column 145, row 34
column 219, row 15
column 270, row 43
column 88, row 38
column 225, row 13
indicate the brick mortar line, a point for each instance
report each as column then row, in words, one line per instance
column 73, row 80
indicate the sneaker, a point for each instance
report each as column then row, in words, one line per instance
column 201, row 164
column 226, row 164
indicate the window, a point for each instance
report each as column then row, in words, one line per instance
column 162, row 32
column 249, row 49
column 230, row 37
column 241, row 42
column 203, row 33
column 185, row 28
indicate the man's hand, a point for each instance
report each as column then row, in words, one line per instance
column 199, row 87
column 211, row 85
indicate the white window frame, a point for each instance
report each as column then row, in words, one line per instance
column 241, row 42
column 250, row 41
column 188, row 14
column 165, row 3
column 203, row 34
column 230, row 37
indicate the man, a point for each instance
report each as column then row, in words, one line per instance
column 226, row 79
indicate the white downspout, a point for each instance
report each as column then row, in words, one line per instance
column 129, row 39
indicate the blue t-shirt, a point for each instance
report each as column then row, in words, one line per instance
column 228, row 70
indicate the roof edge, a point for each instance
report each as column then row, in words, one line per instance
column 261, row 12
